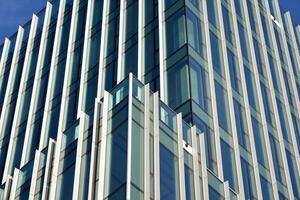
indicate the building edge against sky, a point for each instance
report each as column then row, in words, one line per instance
column 150, row 99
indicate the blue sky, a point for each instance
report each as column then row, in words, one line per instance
column 293, row 6
column 17, row 12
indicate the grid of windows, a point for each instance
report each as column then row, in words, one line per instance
column 151, row 99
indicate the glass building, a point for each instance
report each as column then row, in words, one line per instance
column 151, row 99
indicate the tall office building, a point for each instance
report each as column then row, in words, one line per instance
column 151, row 99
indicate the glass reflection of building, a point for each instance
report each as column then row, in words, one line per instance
column 151, row 99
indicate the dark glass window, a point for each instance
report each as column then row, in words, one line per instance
column 132, row 19
column 194, row 32
column 294, row 174
column 234, row 71
column 252, row 95
column 277, row 159
column 283, row 120
column 241, row 125
column 212, row 12
column 175, row 32
column 228, row 161
column 213, row 194
column 266, row 188
column 189, row 183
column 248, row 180
column 223, row 107
column 216, row 52
column 168, row 174
column 273, row 72
column 259, row 142
column 267, row 104
column 259, row 60
column 265, row 30
column 116, row 169
column 229, row 32
column 199, row 85
column 178, row 85
column 211, row 159
column 244, row 42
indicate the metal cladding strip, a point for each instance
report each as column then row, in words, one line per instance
column 147, row 142
column 7, row 188
column 226, row 191
column 85, row 56
column 104, row 33
column 161, row 34
column 141, row 17
column 121, row 46
column 273, row 99
column 34, row 175
column 48, row 168
column 63, row 110
column 22, row 88
column 94, row 150
column 235, row 142
column 102, row 156
column 57, row 41
column 294, row 88
column 129, row 138
column 180, row 157
column 244, row 93
column 7, row 102
column 245, row 99
column 79, row 153
column 284, row 91
column 261, row 108
column 33, row 102
column 14, row 186
column 11, row 77
column 156, row 146
column 213, row 94
column 4, row 55
column 248, row 109
column 196, row 168
column 203, row 169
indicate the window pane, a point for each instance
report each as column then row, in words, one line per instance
column 175, row 33
column 178, row 85
column 169, row 184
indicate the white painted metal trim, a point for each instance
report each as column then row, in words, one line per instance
column 94, row 150
column 122, row 27
column 57, row 41
column 180, row 157
column 156, row 147
column 85, row 56
column 49, row 163
column 203, row 165
column 129, row 138
column 103, row 46
column 34, row 97
column 104, row 130
column 141, row 46
column 161, row 33
column 35, row 170
column 14, row 184
column 196, row 167
column 213, row 93
column 79, row 152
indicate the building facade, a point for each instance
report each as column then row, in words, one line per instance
column 151, row 99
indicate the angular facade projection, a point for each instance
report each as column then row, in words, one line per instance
column 151, row 99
